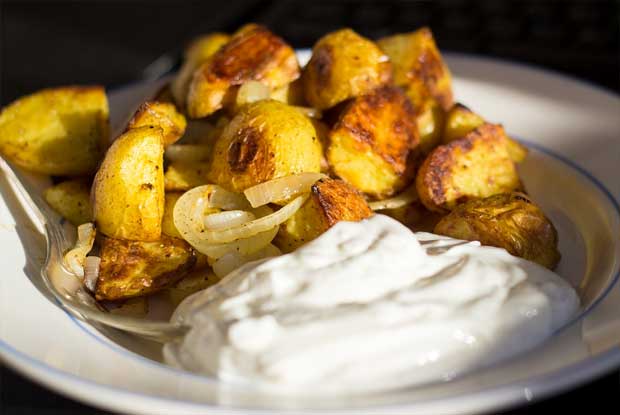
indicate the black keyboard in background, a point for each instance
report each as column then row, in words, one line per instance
column 576, row 37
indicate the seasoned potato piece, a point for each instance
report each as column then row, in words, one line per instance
column 475, row 166
column 163, row 115
column 60, row 131
column 292, row 94
column 133, row 268
column 510, row 221
column 128, row 190
column 460, row 120
column 167, row 223
column 184, row 176
column 330, row 202
column 253, row 54
column 415, row 216
column 430, row 119
column 196, row 54
column 195, row 281
column 371, row 145
column 71, row 199
column 344, row 65
column 264, row 141
column 418, row 65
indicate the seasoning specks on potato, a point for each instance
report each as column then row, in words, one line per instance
column 475, row 166
column 344, row 65
column 372, row 144
column 510, row 221
column 252, row 54
column 60, row 131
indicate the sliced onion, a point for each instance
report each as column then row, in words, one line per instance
column 187, row 153
column 252, row 91
column 91, row 272
column 308, row 111
column 189, row 215
column 282, row 188
column 227, row 219
column 231, row 261
column 257, row 225
column 404, row 198
column 74, row 259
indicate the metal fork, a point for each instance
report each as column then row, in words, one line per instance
column 79, row 302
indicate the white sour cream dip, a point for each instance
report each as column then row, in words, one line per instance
column 369, row 306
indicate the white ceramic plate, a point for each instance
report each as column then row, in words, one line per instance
column 572, row 130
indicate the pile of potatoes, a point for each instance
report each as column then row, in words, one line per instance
column 377, row 118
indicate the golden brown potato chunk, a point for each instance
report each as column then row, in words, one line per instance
column 133, row 268
column 344, row 65
column 128, row 190
column 510, row 221
column 264, row 141
column 196, row 54
column 193, row 282
column 163, row 115
column 475, row 166
column 253, row 54
column 60, row 131
column 71, row 199
column 460, row 120
column 371, row 145
column 330, row 202
column 418, row 65
column 430, row 119
column 167, row 222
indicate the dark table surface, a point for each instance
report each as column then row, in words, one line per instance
column 112, row 43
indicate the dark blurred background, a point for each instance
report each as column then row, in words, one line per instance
column 47, row 43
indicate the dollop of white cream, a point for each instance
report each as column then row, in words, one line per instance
column 369, row 306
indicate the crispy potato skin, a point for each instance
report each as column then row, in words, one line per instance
column 460, row 120
column 128, row 190
column 510, row 221
column 475, row 166
column 264, row 141
column 330, row 202
column 196, row 54
column 418, row 65
column 133, row 268
column 344, row 65
column 71, row 199
column 163, row 115
column 253, row 54
column 372, row 144
column 59, row 131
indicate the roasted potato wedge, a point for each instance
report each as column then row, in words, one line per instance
column 344, row 65
column 253, row 54
column 128, row 190
column 163, row 115
column 60, row 131
column 196, row 54
column 415, row 216
column 71, row 199
column 460, row 120
column 330, row 202
column 418, row 65
column 264, row 141
column 134, row 268
column 508, row 220
column 473, row 167
column 372, row 144
column 184, row 176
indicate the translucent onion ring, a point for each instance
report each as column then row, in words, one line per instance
column 227, row 219
column 74, row 259
column 404, row 198
column 282, row 188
